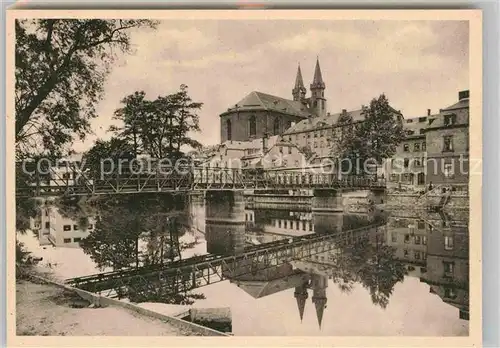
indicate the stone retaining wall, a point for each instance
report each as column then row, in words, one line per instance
column 102, row 301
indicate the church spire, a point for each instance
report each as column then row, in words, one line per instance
column 319, row 285
column 301, row 296
column 299, row 91
column 318, row 79
column 317, row 100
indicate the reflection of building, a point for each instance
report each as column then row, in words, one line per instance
column 62, row 231
column 448, row 263
column 408, row 237
column 319, row 284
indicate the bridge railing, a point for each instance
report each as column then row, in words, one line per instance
column 71, row 179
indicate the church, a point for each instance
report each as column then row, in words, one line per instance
column 302, row 121
column 259, row 114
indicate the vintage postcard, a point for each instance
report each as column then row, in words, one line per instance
column 264, row 177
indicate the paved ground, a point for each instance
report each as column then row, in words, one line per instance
column 46, row 310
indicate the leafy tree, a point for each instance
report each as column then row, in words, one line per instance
column 159, row 127
column 113, row 149
column 134, row 109
column 61, row 66
column 374, row 139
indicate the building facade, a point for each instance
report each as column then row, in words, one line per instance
column 447, row 138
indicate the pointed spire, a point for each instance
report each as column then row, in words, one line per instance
column 318, row 79
column 320, row 305
column 299, row 91
column 301, row 296
column 299, row 83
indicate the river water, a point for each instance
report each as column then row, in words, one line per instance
column 409, row 277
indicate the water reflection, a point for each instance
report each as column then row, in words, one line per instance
column 387, row 263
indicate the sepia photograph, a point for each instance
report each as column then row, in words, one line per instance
column 250, row 173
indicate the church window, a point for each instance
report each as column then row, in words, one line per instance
column 228, row 127
column 315, row 144
column 276, row 126
column 252, row 126
column 322, row 144
column 315, row 104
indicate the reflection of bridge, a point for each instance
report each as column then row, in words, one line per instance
column 70, row 180
column 185, row 275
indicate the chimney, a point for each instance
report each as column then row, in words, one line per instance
column 344, row 111
column 463, row 94
column 428, row 112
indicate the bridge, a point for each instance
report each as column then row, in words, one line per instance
column 195, row 272
column 70, row 180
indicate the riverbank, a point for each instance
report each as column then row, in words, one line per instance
column 47, row 310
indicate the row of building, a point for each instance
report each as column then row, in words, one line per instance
column 279, row 134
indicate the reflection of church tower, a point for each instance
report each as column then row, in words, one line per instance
column 301, row 296
column 319, row 285
column 299, row 91
column 318, row 101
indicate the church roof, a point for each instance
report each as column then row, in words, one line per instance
column 261, row 101
column 324, row 121
column 299, row 82
column 262, row 288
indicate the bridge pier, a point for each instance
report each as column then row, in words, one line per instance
column 225, row 222
column 327, row 200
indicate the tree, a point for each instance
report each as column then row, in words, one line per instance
column 113, row 149
column 373, row 139
column 61, row 66
column 159, row 127
column 134, row 109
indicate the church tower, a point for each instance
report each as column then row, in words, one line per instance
column 301, row 296
column 318, row 101
column 319, row 285
column 299, row 91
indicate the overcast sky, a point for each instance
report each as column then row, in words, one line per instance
column 419, row 65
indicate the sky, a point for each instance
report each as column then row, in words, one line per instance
column 419, row 65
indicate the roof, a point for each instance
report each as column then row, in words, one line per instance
column 262, row 101
column 262, row 288
column 461, row 104
column 323, row 121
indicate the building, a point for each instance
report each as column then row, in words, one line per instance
column 301, row 121
column 407, row 167
column 61, row 231
column 447, row 139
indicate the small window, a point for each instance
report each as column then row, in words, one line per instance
column 296, row 163
column 417, row 255
column 424, row 240
column 448, row 170
column 75, row 227
column 67, row 228
column 46, row 212
column 449, row 268
column 422, row 119
column 406, row 162
column 423, row 146
column 76, row 240
column 418, row 240
column 406, row 147
column 448, row 143
column 448, row 243
column 67, row 240
column 394, row 237
column 410, row 132
column 407, row 238
column 405, row 253
column 303, row 225
column 422, row 131
column 285, row 163
column 289, row 150
column 279, row 223
column 90, row 227
column 47, row 224
column 416, row 147
column 310, row 227
column 285, row 224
